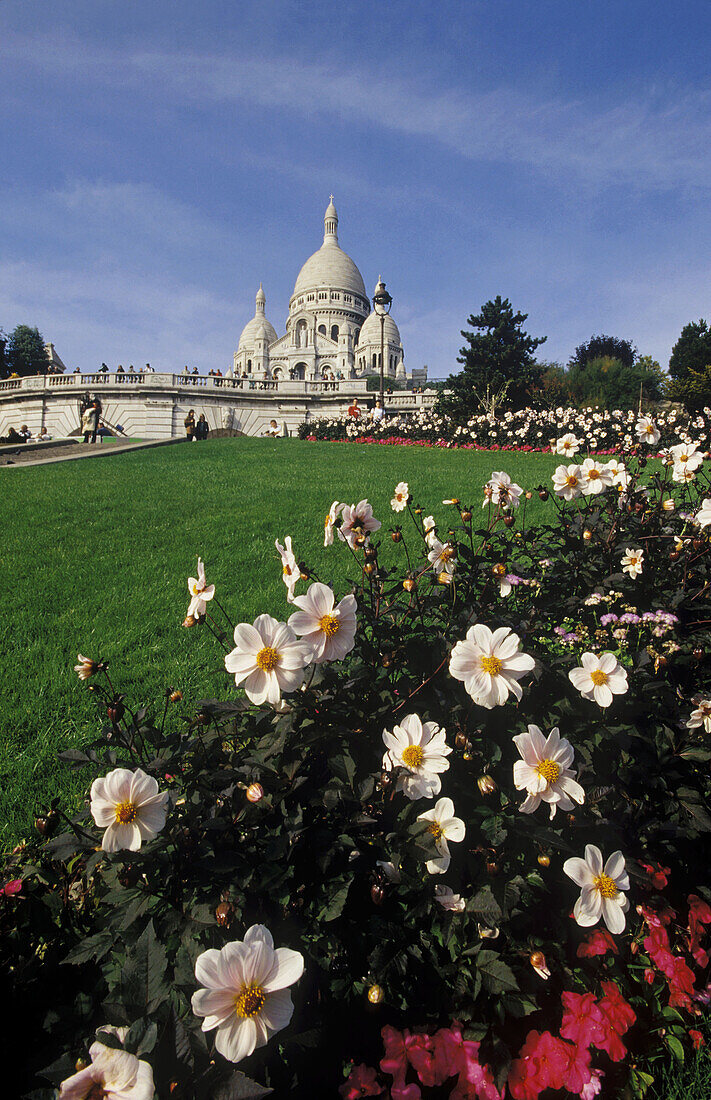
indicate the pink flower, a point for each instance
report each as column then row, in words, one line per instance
column 542, row 1063
column 396, row 1063
column 696, row 1038
column 455, row 1055
column 421, row 1056
column 598, row 942
column 583, row 1022
column 12, row 887
column 618, row 1017
column 699, row 915
column 362, row 1081
column 594, row 1085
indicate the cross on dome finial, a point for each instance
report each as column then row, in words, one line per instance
column 330, row 224
column 260, row 300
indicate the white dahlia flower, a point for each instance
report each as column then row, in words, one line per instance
column 567, row 445
column 687, row 455
column 428, row 526
column 267, row 659
column 399, row 501
column 245, row 991
column 500, row 489
column 647, row 431
column 420, row 750
column 490, row 664
column 632, row 562
column 328, row 630
column 594, row 477
column 701, row 716
column 357, row 520
column 567, row 481
column 128, row 806
column 200, row 592
column 328, row 523
column 703, row 516
column 445, row 896
column 545, row 772
column 601, row 888
column 443, row 826
column 442, row 556
column 599, row 678
column 290, row 571
column 113, row 1074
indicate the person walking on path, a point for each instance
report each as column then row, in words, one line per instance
column 189, row 423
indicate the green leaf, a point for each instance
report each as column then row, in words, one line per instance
column 240, row 1087
column 142, row 981
column 496, row 976
column 93, row 947
column 675, row 1047
column 334, row 908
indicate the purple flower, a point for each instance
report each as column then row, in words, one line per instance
column 610, row 617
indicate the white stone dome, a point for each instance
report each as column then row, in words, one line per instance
column 370, row 332
column 259, row 328
column 330, row 267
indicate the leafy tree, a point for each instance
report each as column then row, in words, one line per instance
column 693, row 391
column 613, row 384
column 604, row 347
column 499, row 367
column 25, row 351
column 691, row 352
column 554, row 389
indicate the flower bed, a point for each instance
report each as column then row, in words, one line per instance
column 599, row 431
column 448, row 834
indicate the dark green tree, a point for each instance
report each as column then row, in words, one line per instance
column 25, row 352
column 692, row 351
column 3, row 361
column 604, row 347
column 611, row 384
column 499, row 367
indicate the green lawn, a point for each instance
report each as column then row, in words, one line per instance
column 96, row 556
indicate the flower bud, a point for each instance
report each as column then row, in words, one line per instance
column 674, row 556
column 255, row 792
column 587, row 534
column 538, row 961
column 499, row 570
column 375, row 994
column 408, row 584
column 543, row 494
column 377, row 894
column 189, row 620
column 634, row 947
column 698, row 654
column 223, row 914
column 544, row 860
column 508, row 521
column 115, row 711
column 370, row 568
column 444, row 578
column 668, row 505
column 460, row 739
column 396, row 536
column 466, row 516
column 486, row 784
column 370, row 553
column 176, row 696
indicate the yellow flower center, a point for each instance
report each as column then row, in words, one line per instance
column 599, row 677
column 571, row 481
column 492, row 665
column 96, row 1092
column 499, row 570
column 327, row 520
column 286, row 571
column 593, row 474
column 268, row 659
column 250, row 1001
column 413, row 756
column 398, row 496
column 606, row 886
column 126, row 812
column 548, row 770
column 329, row 624
column 448, row 553
column 435, row 828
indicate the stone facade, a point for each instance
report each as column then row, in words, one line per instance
column 330, row 330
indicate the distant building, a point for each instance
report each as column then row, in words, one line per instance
column 56, row 366
column 330, row 330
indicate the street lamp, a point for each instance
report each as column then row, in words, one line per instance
column 382, row 302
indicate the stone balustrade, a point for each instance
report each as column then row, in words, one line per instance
column 154, row 405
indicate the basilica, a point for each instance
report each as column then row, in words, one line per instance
column 331, row 332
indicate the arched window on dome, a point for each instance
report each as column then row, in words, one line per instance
column 334, row 332
column 249, row 366
column 300, row 371
column 375, row 361
column 322, row 329
column 391, row 362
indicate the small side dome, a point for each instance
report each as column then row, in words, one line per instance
column 259, row 328
column 370, row 332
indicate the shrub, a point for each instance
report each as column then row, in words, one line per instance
column 479, row 964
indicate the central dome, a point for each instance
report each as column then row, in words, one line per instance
column 330, row 267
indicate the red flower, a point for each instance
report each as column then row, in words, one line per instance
column 657, row 875
column 457, row 1056
column 577, row 1073
column 361, row 1082
column 598, row 942
column 619, row 1017
column 583, row 1022
column 421, row 1055
column 697, row 1039
column 10, row 888
column 699, row 915
column 542, row 1063
column 396, row 1063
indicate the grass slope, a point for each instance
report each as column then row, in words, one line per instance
column 97, row 554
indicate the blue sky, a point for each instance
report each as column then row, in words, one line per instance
column 160, row 159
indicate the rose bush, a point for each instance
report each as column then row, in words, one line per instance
column 446, row 832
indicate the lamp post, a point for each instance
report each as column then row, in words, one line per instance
column 382, row 302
